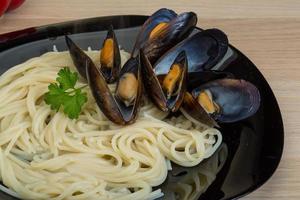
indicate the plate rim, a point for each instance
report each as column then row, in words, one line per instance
column 282, row 135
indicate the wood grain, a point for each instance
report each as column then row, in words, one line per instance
column 267, row 31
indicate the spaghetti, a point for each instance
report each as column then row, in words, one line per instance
column 46, row 155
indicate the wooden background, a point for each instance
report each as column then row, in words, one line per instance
column 267, row 31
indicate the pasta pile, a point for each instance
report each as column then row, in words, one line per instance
column 46, row 155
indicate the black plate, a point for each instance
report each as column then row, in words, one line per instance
column 253, row 146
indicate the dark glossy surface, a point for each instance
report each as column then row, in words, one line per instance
column 254, row 145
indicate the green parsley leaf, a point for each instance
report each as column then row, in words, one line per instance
column 72, row 107
column 55, row 97
column 64, row 94
column 66, row 78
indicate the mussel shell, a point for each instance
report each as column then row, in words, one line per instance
column 102, row 95
column 204, row 50
column 161, row 15
column 238, row 99
column 176, row 30
column 153, row 85
column 191, row 107
column 112, row 108
column 111, row 76
column 78, row 56
column 130, row 113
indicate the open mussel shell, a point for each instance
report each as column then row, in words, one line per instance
column 169, row 35
column 155, row 84
column 78, row 56
column 156, row 21
column 190, row 106
column 111, row 106
column 204, row 50
column 130, row 84
column 234, row 99
column 110, row 59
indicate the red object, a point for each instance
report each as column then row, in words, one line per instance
column 3, row 6
column 14, row 4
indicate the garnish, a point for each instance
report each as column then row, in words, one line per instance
column 64, row 94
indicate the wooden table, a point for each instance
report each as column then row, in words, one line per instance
column 267, row 31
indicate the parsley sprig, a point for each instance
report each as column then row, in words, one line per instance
column 64, row 94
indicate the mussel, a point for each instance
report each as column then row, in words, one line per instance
column 203, row 49
column 166, row 91
column 110, row 59
column 163, row 30
column 122, row 107
column 169, row 35
column 225, row 100
column 151, row 26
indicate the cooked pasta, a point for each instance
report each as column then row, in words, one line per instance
column 46, row 155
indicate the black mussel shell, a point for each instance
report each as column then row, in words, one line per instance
column 78, row 56
column 102, row 95
column 160, row 16
column 130, row 112
column 110, row 70
column 237, row 99
column 204, row 50
column 175, row 31
column 111, row 107
column 154, row 88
